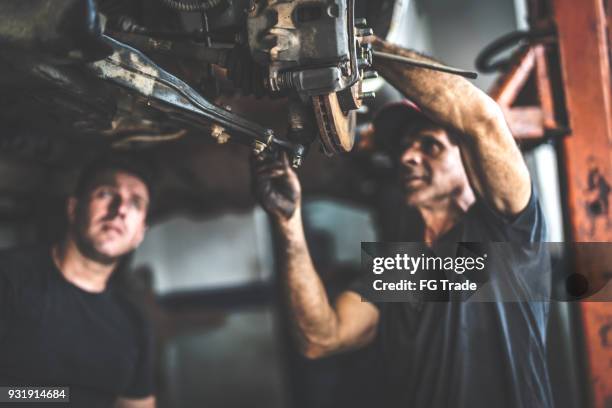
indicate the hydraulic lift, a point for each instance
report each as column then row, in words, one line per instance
column 565, row 67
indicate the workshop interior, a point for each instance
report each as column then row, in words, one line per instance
column 197, row 87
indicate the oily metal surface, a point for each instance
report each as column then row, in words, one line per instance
column 336, row 127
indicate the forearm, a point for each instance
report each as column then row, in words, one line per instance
column 448, row 99
column 314, row 320
column 490, row 155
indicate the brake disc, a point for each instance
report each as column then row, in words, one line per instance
column 336, row 118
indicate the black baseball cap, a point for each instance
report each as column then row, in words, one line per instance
column 391, row 118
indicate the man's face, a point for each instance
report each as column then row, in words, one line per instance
column 430, row 165
column 110, row 221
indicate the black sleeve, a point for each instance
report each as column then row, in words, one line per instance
column 5, row 304
column 526, row 226
column 142, row 384
column 361, row 286
column 529, row 224
column 521, row 261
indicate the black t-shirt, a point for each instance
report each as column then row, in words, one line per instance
column 461, row 354
column 53, row 333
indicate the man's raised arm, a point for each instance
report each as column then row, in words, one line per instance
column 493, row 161
column 320, row 328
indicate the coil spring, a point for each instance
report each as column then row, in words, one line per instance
column 187, row 5
column 284, row 81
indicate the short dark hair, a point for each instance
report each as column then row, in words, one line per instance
column 115, row 162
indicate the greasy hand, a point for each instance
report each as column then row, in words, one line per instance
column 275, row 185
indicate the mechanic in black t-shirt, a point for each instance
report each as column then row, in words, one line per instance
column 61, row 323
column 460, row 168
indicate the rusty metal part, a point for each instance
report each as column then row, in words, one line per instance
column 190, row 50
column 309, row 46
column 566, row 101
column 336, row 127
column 351, row 98
column 301, row 122
column 315, row 48
column 299, row 32
column 585, row 64
column 259, row 147
column 584, row 53
column 296, row 150
column 536, row 120
column 219, row 134
column 131, row 69
column 335, row 112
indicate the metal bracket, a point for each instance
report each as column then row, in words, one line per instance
column 131, row 69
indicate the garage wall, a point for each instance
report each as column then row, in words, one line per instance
column 459, row 30
column 225, row 251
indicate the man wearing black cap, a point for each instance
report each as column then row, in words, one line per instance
column 460, row 168
column 61, row 323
